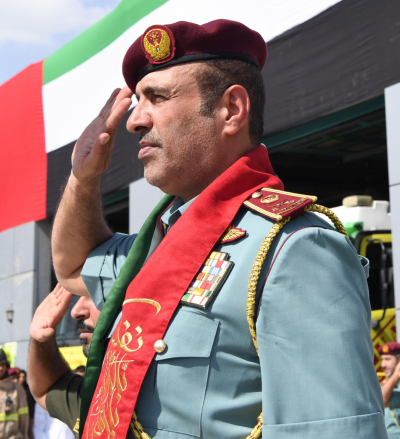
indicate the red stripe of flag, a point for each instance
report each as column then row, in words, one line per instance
column 23, row 164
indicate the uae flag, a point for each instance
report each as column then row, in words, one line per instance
column 323, row 55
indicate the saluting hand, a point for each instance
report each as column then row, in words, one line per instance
column 92, row 151
column 49, row 314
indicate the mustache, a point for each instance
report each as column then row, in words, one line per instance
column 82, row 325
column 150, row 137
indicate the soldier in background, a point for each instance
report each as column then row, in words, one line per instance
column 390, row 354
column 55, row 387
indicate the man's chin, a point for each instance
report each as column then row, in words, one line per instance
column 85, row 346
column 85, row 350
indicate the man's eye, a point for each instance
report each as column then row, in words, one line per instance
column 157, row 98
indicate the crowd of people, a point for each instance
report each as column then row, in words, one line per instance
column 23, row 417
column 233, row 297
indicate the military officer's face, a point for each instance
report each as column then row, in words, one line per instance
column 87, row 314
column 179, row 147
column 389, row 363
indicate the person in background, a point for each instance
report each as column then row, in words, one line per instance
column 80, row 370
column 13, row 372
column 30, row 399
column 54, row 386
column 14, row 415
column 390, row 355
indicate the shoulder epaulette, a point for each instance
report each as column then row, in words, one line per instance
column 278, row 205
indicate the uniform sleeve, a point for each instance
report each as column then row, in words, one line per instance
column 23, row 412
column 394, row 402
column 103, row 266
column 313, row 332
column 63, row 400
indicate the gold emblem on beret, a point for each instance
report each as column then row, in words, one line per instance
column 385, row 349
column 157, row 44
column 269, row 199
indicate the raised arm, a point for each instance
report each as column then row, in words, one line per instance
column 79, row 225
column 45, row 363
column 390, row 385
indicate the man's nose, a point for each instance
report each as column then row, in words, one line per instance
column 80, row 310
column 139, row 120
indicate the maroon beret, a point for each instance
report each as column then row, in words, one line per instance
column 13, row 371
column 391, row 348
column 181, row 42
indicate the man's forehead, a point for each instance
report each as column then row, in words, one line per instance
column 169, row 78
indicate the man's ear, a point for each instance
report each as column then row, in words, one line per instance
column 236, row 109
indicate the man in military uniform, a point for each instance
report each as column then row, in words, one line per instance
column 55, row 387
column 390, row 356
column 234, row 298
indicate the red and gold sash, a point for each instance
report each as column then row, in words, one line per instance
column 153, row 296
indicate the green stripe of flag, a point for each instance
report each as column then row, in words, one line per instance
column 97, row 37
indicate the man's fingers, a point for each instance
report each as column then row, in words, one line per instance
column 66, row 295
column 104, row 138
column 57, row 290
column 118, row 114
column 126, row 92
column 109, row 104
column 92, row 152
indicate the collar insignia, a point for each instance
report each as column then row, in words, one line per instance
column 278, row 204
column 232, row 233
column 208, row 281
column 158, row 44
column 76, row 427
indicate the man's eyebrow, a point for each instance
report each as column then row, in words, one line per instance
column 154, row 90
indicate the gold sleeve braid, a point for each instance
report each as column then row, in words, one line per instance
column 255, row 273
column 135, row 425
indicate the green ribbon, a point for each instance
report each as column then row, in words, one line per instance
column 134, row 262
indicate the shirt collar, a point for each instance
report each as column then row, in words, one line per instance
column 171, row 216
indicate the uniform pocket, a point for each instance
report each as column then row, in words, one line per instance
column 173, row 391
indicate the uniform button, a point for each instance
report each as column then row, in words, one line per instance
column 159, row 346
column 256, row 194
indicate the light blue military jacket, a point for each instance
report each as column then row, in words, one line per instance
column 392, row 415
column 314, row 378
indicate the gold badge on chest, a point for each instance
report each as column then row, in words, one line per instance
column 208, row 281
column 232, row 233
